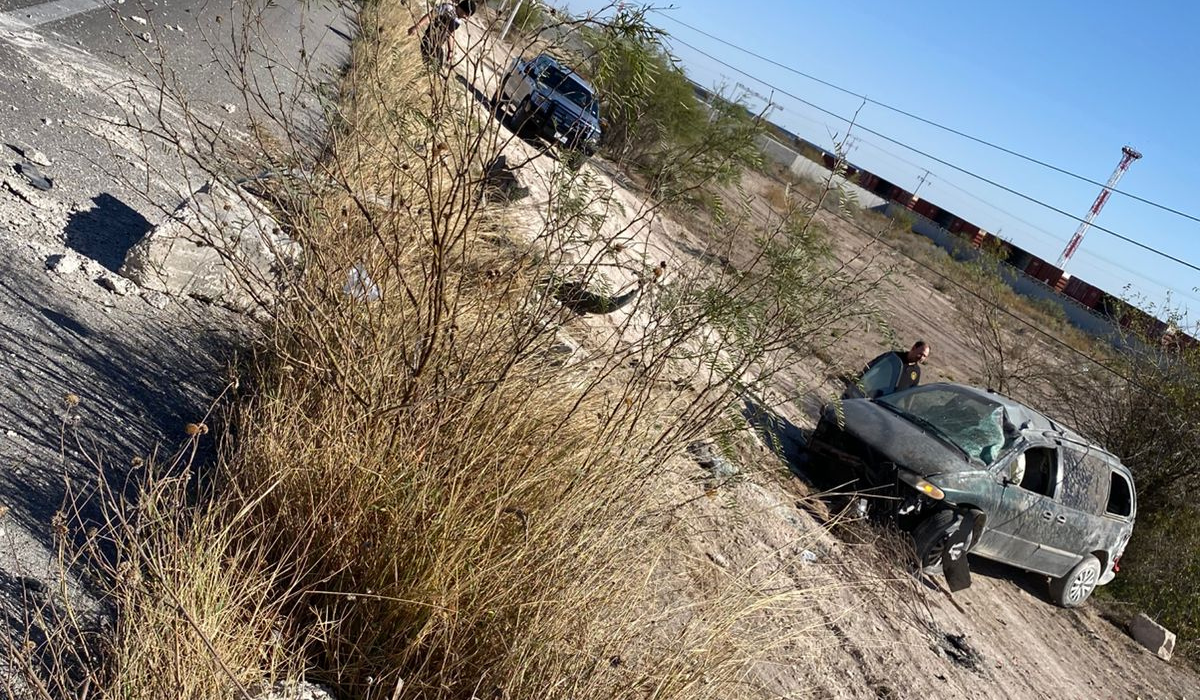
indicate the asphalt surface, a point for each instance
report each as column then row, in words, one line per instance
column 81, row 98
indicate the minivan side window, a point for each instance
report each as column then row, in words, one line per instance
column 1085, row 481
column 1041, row 470
column 1120, row 497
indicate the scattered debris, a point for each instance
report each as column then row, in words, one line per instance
column 709, row 456
column 718, row 559
column 229, row 107
column 63, row 264
column 30, row 154
column 577, row 297
column 1153, row 636
column 220, row 246
column 139, row 20
column 359, row 284
column 956, row 648
column 117, row 285
column 809, row 556
column 145, row 36
column 33, row 176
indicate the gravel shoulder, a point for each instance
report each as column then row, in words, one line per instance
column 99, row 374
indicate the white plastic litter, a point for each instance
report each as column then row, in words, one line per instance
column 359, row 284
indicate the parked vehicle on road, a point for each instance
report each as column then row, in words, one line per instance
column 1039, row 496
column 553, row 102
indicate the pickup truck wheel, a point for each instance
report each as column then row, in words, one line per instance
column 1071, row 590
column 521, row 115
column 929, row 540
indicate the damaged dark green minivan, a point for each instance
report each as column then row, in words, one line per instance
column 970, row 470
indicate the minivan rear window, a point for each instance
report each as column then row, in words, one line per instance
column 1120, row 497
column 1085, row 481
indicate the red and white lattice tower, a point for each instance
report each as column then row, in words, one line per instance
column 1128, row 155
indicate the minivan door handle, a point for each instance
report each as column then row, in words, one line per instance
column 1047, row 515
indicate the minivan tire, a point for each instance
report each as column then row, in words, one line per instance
column 929, row 540
column 1072, row 590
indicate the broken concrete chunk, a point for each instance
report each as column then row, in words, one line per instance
column 1153, row 636
column 145, row 36
column 139, row 20
column 117, row 285
column 359, row 284
column 709, row 456
column 30, row 154
column 220, row 246
column 293, row 690
column 63, row 264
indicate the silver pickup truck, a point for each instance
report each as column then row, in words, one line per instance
column 553, row 102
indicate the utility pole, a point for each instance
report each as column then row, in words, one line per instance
column 922, row 182
column 511, row 16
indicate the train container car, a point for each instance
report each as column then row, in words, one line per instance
column 1043, row 271
column 1019, row 257
column 925, row 208
column 1082, row 292
column 945, row 219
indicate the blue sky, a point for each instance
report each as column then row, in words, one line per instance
column 1065, row 82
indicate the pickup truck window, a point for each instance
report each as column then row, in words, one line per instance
column 564, row 84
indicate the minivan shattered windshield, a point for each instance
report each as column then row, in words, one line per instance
column 971, row 424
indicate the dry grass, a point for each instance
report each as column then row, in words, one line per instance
column 413, row 499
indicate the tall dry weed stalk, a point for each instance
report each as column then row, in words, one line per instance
column 417, row 496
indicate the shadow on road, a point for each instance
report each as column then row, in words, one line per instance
column 106, row 231
column 133, row 379
column 1033, row 584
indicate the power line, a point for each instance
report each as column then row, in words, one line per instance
column 930, row 122
column 1109, row 264
column 981, row 178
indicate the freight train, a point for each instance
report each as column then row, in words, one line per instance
column 1074, row 288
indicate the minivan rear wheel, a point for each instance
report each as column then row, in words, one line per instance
column 1072, row 590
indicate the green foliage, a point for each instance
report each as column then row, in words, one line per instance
column 1160, row 573
column 530, row 19
column 653, row 120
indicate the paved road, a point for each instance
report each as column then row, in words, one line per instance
column 72, row 73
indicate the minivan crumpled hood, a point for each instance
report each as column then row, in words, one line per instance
column 900, row 441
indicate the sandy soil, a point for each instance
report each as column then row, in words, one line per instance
column 871, row 630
